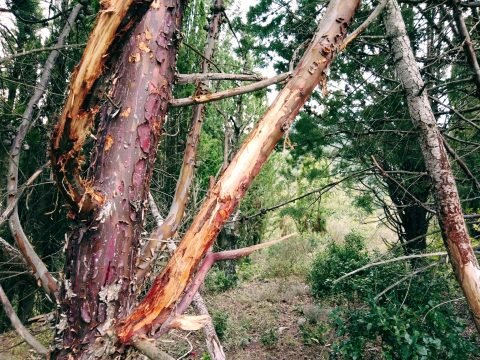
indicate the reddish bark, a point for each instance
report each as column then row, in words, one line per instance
column 99, row 281
column 76, row 121
column 232, row 185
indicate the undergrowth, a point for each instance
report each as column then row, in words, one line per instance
column 420, row 318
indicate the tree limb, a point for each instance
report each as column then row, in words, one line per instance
column 201, row 99
column 192, row 78
column 33, row 260
column 388, row 261
column 18, row 326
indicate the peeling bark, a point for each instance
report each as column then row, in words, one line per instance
column 76, row 121
column 99, row 284
column 234, row 182
column 449, row 210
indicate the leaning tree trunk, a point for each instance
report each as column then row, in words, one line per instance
column 449, row 209
column 159, row 304
column 99, row 285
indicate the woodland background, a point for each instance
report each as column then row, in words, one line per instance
column 349, row 179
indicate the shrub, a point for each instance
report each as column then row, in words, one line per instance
column 269, row 338
column 405, row 323
column 220, row 323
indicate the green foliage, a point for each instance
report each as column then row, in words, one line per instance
column 219, row 281
column 336, row 260
column 405, row 323
column 269, row 338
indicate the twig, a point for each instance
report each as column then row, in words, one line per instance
column 33, row 51
column 406, row 277
column 18, row 326
column 400, row 258
column 442, row 303
column 192, row 78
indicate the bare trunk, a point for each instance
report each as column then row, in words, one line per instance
column 99, row 284
column 452, row 223
column 234, row 182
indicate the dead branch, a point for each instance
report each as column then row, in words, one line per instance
column 202, row 99
column 388, row 261
column 193, row 78
column 406, row 277
column 363, row 26
column 13, row 202
column 232, row 185
column 319, row 191
column 34, row 51
column 33, row 260
column 18, row 326
column 149, row 349
column 466, row 42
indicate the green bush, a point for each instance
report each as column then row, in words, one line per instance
column 405, row 323
column 220, row 323
column 269, row 338
column 336, row 260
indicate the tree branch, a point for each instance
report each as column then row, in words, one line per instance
column 18, row 326
column 201, row 99
column 34, row 51
column 33, row 260
column 193, row 78
column 147, row 347
column 370, row 19
column 388, row 261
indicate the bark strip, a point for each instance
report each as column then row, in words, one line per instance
column 449, row 210
column 234, row 182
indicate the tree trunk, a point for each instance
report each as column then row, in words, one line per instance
column 99, row 285
column 225, row 195
column 452, row 223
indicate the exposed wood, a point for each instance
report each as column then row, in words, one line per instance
column 224, row 197
column 99, row 285
column 177, row 209
column 18, row 326
column 449, row 210
column 206, row 98
column 76, row 122
column 214, row 345
column 31, row 257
